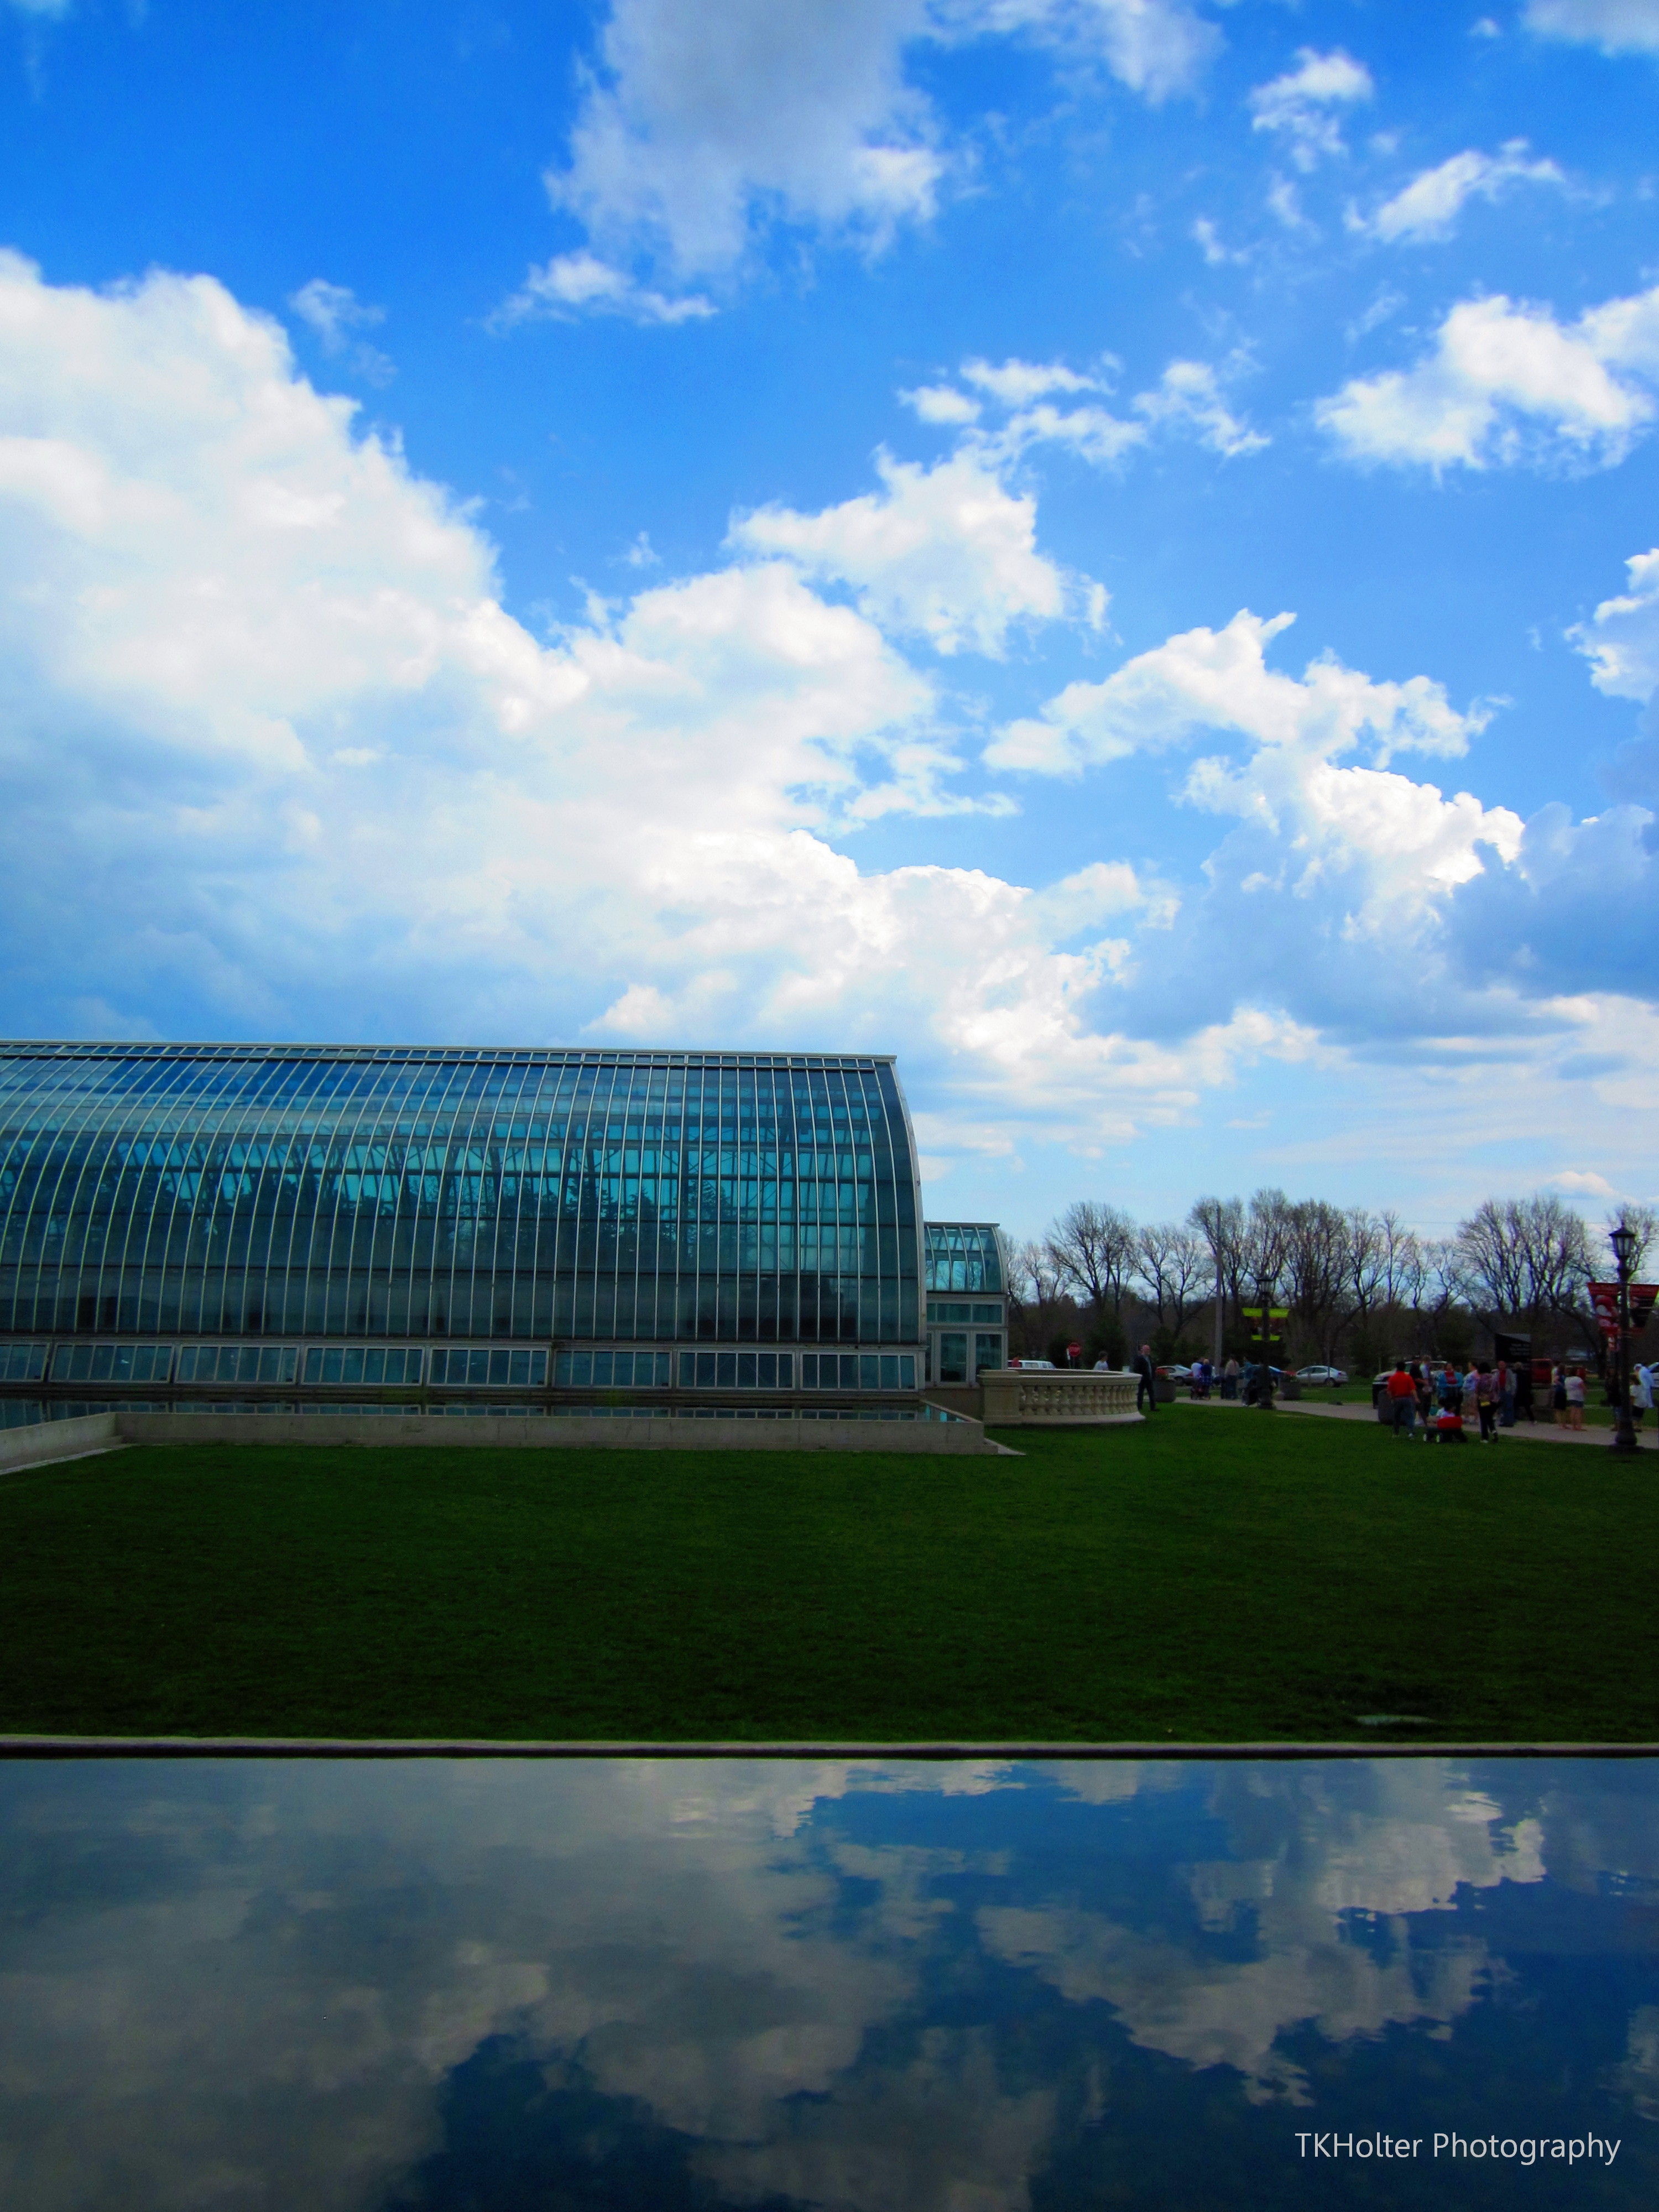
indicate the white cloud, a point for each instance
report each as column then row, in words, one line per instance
column 1617, row 27
column 941, row 403
column 1220, row 680
column 1507, row 383
column 1208, row 241
column 1371, row 850
column 1429, row 206
column 1621, row 638
column 1301, row 107
column 1188, row 400
column 701, row 128
column 334, row 313
column 1017, row 383
column 580, row 283
column 1189, row 396
column 947, row 553
column 277, row 757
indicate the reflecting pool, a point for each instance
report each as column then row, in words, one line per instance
column 505, row 1983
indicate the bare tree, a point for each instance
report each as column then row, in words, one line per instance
column 1220, row 1223
column 1527, row 1258
column 1173, row 1263
column 1033, row 1290
column 1093, row 1247
column 1644, row 1220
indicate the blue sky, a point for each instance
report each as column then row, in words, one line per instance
column 1106, row 546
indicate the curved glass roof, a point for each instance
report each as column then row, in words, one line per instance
column 964, row 1255
column 381, row 1190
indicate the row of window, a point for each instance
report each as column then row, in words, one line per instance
column 959, row 1311
column 457, row 1367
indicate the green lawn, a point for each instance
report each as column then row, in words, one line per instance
column 1207, row 1576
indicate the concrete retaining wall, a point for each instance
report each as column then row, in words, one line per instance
column 541, row 1431
column 49, row 1440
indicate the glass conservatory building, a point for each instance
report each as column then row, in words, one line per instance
column 306, row 1224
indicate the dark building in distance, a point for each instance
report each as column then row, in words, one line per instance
column 314, row 1225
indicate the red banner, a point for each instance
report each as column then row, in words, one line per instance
column 1604, row 1297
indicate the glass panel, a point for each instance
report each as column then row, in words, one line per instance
column 953, row 1358
column 849, row 1370
column 103, row 1362
column 440, row 1365
column 122, row 1362
column 726, row 1376
column 746, row 1370
column 247, row 1363
column 604, row 1368
column 333, row 1361
column 890, row 1370
column 187, row 1363
column 291, row 1360
column 538, row 1370
column 869, row 1371
column 705, row 1370
column 519, row 1367
column 81, row 1365
column 314, row 1363
column 988, row 1352
column 809, row 1370
column 688, row 1369
column 499, row 1363
column 907, row 1370
column 478, row 1366
column 271, row 1363
column 375, row 1363
column 766, row 1370
column 786, row 1371
column 581, row 1368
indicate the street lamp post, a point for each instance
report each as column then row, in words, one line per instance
column 1623, row 1241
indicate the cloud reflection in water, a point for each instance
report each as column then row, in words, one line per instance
column 780, row 1983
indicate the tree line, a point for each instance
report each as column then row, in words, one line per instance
column 1360, row 1287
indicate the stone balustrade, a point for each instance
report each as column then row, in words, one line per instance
column 1034, row 1397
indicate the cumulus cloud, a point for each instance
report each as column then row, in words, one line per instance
column 580, row 283
column 1621, row 638
column 277, row 756
column 700, row 128
column 947, row 553
column 1506, row 383
column 1429, row 206
column 1220, row 680
column 1617, row 27
column 1301, row 108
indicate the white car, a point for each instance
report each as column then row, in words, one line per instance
column 1322, row 1375
column 1049, row 1364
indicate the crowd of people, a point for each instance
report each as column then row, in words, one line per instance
column 1494, row 1395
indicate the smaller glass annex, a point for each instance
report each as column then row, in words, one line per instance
column 966, row 1284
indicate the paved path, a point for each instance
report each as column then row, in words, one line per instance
column 1525, row 1431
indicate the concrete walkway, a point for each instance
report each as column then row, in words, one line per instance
column 1526, row 1432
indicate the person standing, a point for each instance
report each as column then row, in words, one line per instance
column 1641, row 1394
column 1559, row 1396
column 1486, row 1400
column 1145, row 1382
column 1229, row 1379
column 1575, row 1387
column 1402, row 1399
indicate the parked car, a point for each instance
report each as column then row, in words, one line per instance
column 1332, row 1374
column 1049, row 1364
column 1176, row 1374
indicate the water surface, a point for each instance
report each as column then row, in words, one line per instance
column 497, row 1983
